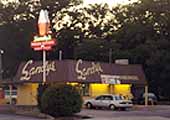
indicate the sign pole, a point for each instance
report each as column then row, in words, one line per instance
column 146, row 95
column 1, row 70
column 44, row 66
column 43, row 41
column 10, row 94
column 110, row 55
column 60, row 55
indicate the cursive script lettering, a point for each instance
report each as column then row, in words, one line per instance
column 84, row 72
column 28, row 73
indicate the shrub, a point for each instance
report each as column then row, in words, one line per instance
column 41, row 89
column 61, row 100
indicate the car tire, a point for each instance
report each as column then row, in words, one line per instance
column 112, row 107
column 89, row 105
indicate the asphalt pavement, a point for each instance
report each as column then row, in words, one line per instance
column 137, row 113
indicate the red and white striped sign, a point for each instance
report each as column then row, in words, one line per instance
column 46, row 48
column 43, row 45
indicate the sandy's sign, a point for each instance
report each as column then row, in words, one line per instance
column 84, row 72
column 28, row 72
column 80, row 71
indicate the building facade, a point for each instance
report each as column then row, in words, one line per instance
column 90, row 78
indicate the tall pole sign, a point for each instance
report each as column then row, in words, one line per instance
column 43, row 41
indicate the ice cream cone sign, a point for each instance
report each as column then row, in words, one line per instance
column 48, row 24
column 43, row 41
column 43, row 23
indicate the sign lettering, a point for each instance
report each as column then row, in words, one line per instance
column 84, row 72
column 28, row 73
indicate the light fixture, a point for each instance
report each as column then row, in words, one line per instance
column 1, row 51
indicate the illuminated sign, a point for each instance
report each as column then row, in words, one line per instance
column 43, row 45
column 115, row 79
column 43, row 41
column 27, row 72
column 46, row 48
column 43, row 38
column 109, row 79
column 86, row 71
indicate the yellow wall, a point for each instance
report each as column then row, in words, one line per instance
column 2, row 97
column 123, row 89
column 98, row 89
column 27, row 94
column 2, row 101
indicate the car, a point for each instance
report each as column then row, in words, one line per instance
column 152, row 99
column 108, row 101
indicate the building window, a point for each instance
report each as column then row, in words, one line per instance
column 82, row 88
column 85, row 89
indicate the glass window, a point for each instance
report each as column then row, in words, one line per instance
column 118, row 98
column 83, row 89
column 108, row 98
column 7, row 92
column 100, row 98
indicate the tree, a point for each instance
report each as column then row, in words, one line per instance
column 18, row 25
column 85, row 27
column 41, row 89
column 139, row 32
column 61, row 100
column 144, row 34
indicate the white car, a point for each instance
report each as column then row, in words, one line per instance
column 109, row 101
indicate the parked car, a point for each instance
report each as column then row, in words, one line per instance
column 152, row 99
column 108, row 101
column 13, row 96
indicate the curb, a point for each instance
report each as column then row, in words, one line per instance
column 36, row 115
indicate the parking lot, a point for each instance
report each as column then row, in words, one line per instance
column 158, row 112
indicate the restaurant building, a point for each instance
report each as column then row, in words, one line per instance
column 91, row 78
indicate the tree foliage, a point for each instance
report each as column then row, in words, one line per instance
column 18, row 25
column 61, row 100
column 145, row 34
column 139, row 32
column 40, row 90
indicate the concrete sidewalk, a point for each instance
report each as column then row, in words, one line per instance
column 151, row 107
column 130, row 118
column 6, row 109
column 139, row 112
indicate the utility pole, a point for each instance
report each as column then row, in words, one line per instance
column 60, row 55
column 1, row 70
column 146, row 95
column 110, row 55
